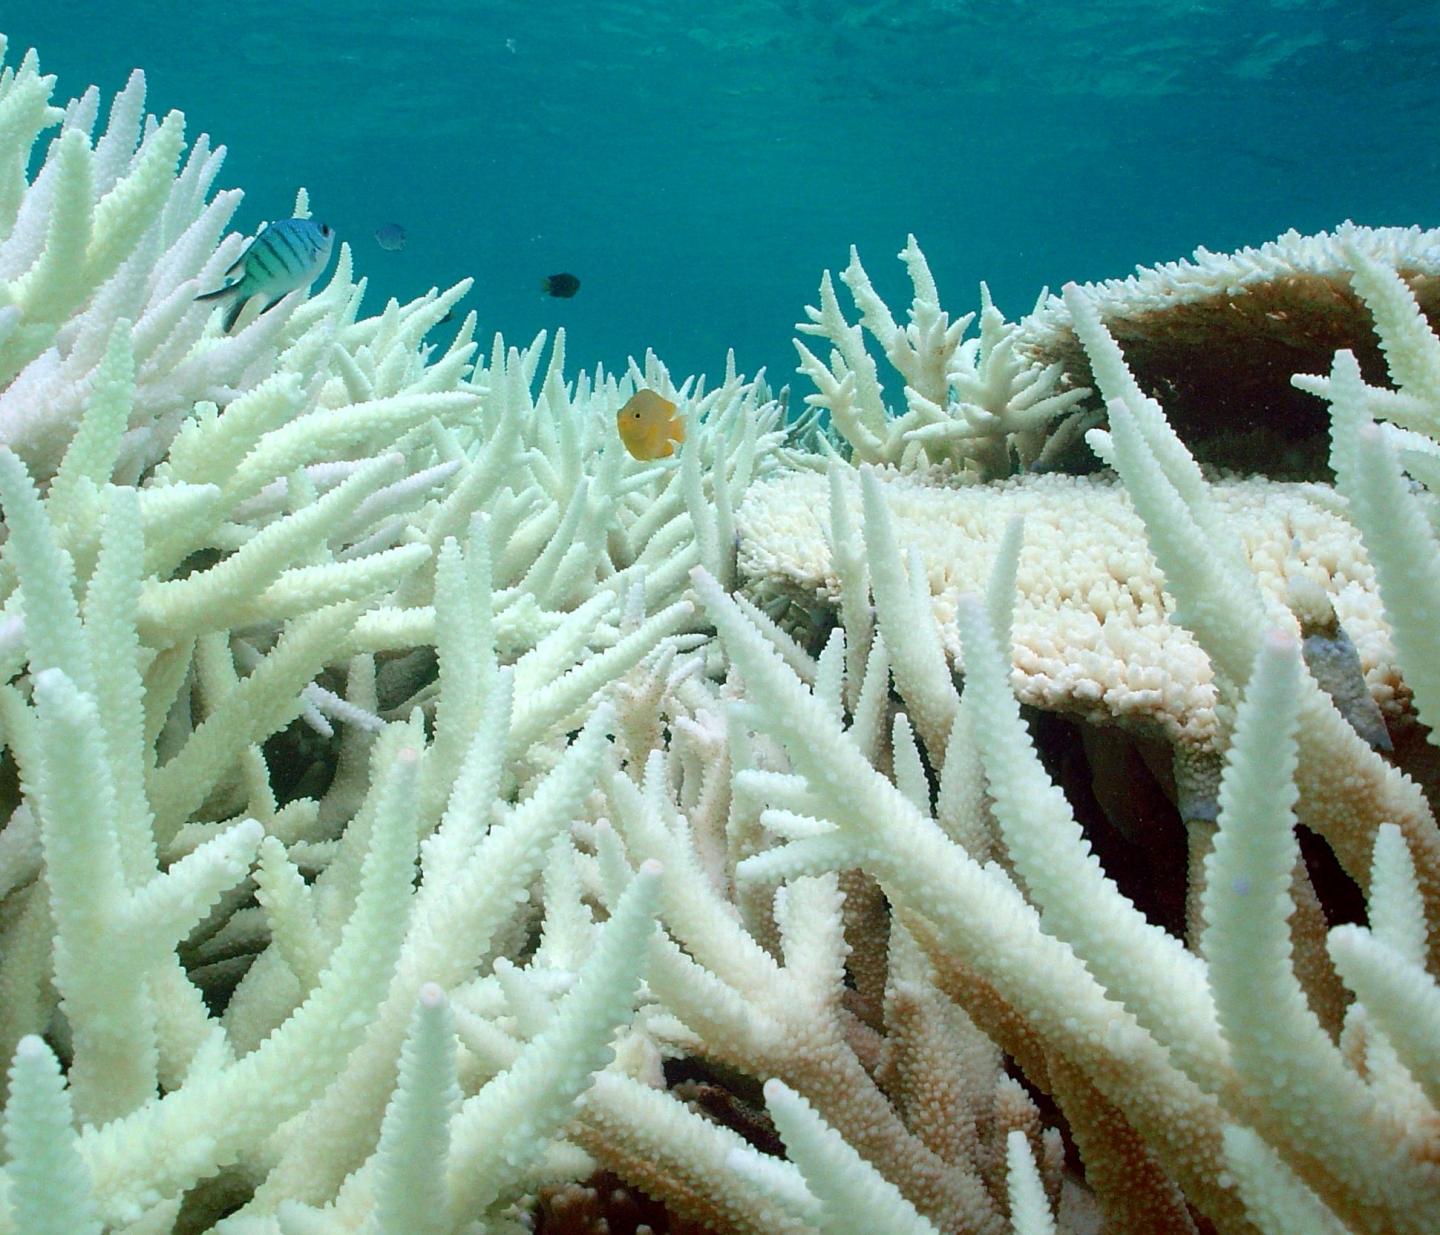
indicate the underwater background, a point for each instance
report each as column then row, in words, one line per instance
column 698, row 165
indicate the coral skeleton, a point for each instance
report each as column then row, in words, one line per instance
column 421, row 816
column 1092, row 631
column 973, row 406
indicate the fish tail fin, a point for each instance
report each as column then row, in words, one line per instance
column 238, row 299
column 232, row 314
column 544, row 286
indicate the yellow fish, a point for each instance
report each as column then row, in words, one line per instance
column 649, row 426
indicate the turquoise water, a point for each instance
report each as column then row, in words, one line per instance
column 698, row 166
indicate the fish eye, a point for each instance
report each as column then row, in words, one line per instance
column 324, row 229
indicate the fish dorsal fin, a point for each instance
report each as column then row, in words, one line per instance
column 239, row 263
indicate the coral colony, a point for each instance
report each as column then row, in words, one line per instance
column 425, row 816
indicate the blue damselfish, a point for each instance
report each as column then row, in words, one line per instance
column 287, row 255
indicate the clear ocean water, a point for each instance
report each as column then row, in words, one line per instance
column 698, row 165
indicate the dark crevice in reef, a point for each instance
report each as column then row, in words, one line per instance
column 1221, row 368
column 1126, row 814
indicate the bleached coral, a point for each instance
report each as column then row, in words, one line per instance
column 970, row 405
column 326, row 887
column 120, row 229
column 1217, row 337
column 1202, row 1053
column 321, row 517
column 1092, row 631
column 1213, row 1079
column 1180, row 298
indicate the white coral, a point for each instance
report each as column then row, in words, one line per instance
column 436, row 946
column 324, row 516
column 976, row 405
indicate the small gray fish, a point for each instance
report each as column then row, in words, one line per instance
column 287, row 255
column 390, row 237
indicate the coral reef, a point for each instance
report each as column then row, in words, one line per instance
column 412, row 825
column 1216, row 338
column 1092, row 632
column 974, row 407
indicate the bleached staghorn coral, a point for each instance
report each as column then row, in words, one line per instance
column 1184, row 1092
column 117, row 231
column 929, row 1116
column 103, row 892
column 134, row 1016
column 343, row 526
column 971, row 405
column 340, row 397
column 339, row 1086
column 1398, row 530
column 1346, row 789
column 756, row 989
column 1206, row 1078
column 1226, row 1082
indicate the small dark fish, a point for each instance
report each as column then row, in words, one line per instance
column 562, row 285
column 287, row 255
column 390, row 237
